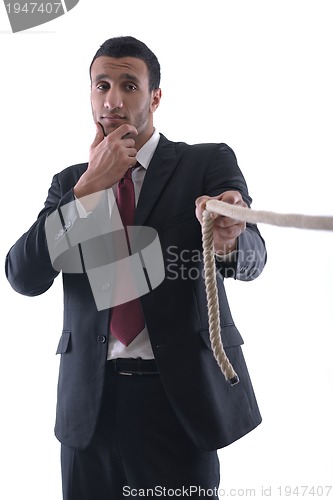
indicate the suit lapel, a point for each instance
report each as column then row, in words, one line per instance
column 159, row 171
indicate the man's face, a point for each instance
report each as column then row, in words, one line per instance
column 120, row 94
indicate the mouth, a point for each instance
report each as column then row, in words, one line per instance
column 112, row 118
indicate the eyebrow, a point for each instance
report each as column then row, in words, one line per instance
column 123, row 76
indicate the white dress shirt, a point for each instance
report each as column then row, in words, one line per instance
column 140, row 346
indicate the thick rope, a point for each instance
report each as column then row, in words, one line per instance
column 299, row 221
column 245, row 215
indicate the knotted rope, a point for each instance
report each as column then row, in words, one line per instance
column 245, row 215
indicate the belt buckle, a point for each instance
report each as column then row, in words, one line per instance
column 120, row 372
column 138, row 371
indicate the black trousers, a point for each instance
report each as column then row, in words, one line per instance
column 139, row 449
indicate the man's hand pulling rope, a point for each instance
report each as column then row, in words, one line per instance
column 237, row 214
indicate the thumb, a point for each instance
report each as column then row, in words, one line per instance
column 99, row 135
column 200, row 204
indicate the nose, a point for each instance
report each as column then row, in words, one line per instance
column 113, row 99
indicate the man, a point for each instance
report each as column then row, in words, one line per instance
column 143, row 416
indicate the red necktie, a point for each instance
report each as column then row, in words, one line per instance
column 127, row 319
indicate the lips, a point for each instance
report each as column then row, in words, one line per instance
column 113, row 118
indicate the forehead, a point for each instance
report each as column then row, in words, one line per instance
column 113, row 68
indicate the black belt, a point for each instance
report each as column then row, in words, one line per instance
column 133, row 366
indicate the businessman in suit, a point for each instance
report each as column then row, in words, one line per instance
column 143, row 416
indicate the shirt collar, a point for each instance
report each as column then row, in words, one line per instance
column 145, row 153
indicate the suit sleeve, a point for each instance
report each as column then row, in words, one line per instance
column 224, row 174
column 61, row 240
column 28, row 265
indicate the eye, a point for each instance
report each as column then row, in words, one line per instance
column 102, row 86
column 131, row 87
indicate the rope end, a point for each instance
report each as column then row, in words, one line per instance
column 234, row 380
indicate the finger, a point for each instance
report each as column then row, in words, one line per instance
column 132, row 152
column 200, row 202
column 235, row 228
column 130, row 162
column 124, row 130
column 128, row 143
column 99, row 137
column 225, row 221
column 229, row 233
column 232, row 197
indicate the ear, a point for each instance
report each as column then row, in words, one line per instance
column 156, row 96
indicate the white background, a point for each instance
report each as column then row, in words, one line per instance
column 254, row 74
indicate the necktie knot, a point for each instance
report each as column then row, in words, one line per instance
column 128, row 173
column 126, row 198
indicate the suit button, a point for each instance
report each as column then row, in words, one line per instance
column 106, row 287
column 101, row 339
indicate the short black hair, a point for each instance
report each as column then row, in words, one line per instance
column 128, row 46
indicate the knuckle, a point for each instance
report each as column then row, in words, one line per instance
column 114, row 146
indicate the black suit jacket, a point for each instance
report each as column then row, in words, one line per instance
column 213, row 413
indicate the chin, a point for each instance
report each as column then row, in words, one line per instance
column 108, row 130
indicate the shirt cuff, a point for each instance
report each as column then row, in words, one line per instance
column 80, row 208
